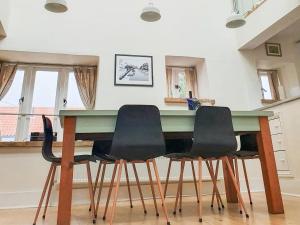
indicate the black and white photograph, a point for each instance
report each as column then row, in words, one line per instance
column 133, row 70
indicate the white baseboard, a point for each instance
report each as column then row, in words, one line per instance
column 28, row 199
column 291, row 194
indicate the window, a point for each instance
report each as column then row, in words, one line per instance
column 43, row 99
column 269, row 81
column 181, row 81
column 9, row 105
column 37, row 90
column 73, row 97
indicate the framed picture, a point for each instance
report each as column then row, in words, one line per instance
column 273, row 49
column 133, row 70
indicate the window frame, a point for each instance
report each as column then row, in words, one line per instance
column 272, row 75
column 26, row 106
column 170, row 99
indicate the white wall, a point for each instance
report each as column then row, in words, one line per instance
column 297, row 58
column 4, row 12
column 103, row 28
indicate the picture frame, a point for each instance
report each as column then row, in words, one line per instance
column 133, row 70
column 273, row 49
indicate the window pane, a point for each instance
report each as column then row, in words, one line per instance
column 266, row 89
column 182, row 84
column 178, row 83
column 10, row 104
column 73, row 97
column 44, row 96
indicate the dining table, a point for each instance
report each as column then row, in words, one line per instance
column 100, row 125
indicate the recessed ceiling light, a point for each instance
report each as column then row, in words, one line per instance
column 56, row 6
column 150, row 13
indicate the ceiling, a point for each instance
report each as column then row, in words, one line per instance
column 292, row 32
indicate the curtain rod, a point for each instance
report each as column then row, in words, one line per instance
column 48, row 64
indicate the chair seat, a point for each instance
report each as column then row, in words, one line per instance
column 243, row 153
column 104, row 157
column 77, row 159
column 178, row 145
column 180, row 155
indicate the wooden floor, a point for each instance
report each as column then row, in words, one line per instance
column 135, row 216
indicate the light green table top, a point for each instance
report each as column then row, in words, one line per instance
column 103, row 121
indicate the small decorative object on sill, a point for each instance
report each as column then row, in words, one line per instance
column 193, row 103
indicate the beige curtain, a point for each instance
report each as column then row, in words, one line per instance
column 191, row 82
column 86, row 79
column 169, row 81
column 7, row 74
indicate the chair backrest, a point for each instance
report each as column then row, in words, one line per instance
column 138, row 133
column 249, row 143
column 213, row 132
column 48, row 139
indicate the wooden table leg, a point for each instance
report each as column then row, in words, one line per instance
column 268, row 166
column 231, row 194
column 66, row 175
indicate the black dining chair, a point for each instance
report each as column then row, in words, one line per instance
column 55, row 162
column 248, row 150
column 175, row 149
column 138, row 138
column 99, row 150
column 213, row 139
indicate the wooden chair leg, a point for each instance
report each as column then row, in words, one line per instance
column 116, row 191
column 247, row 181
column 237, row 177
column 96, row 181
column 128, row 184
column 179, row 185
column 152, row 187
column 231, row 174
column 49, row 191
column 110, row 189
column 214, row 192
column 212, row 175
column 100, row 188
column 90, row 185
column 139, row 186
column 167, row 178
column 195, row 179
column 43, row 193
column 181, row 188
column 160, row 191
column 216, row 189
column 200, row 188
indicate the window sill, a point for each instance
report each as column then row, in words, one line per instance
column 266, row 101
column 169, row 100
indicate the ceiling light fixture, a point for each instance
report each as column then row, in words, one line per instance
column 236, row 20
column 150, row 13
column 56, row 6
